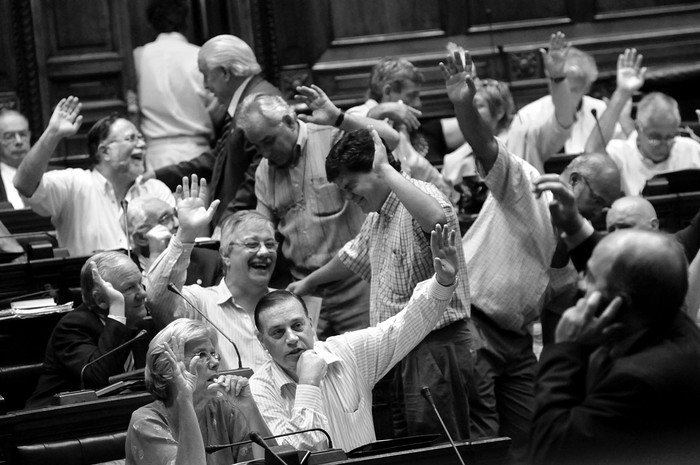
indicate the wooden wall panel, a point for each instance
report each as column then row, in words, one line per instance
column 606, row 6
column 510, row 11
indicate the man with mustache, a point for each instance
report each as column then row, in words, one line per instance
column 87, row 207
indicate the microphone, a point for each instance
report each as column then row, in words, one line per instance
column 172, row 288
column 594, row 112
column 141, row 333
column 425, row 392
column 216, row 447
column 257, row 439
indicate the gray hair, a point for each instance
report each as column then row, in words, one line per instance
column 231, row 53
column 112, row 266
column 231, row 226
column 656, row 103
column 581, row 66
column 159, row 370
column 257, row 109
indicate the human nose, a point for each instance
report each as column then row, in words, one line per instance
column 18, row 140
column 291, row 337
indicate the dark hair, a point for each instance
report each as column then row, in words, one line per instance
column 274, row 298
column 167, row 15
column 99, row 132
column 354, row 153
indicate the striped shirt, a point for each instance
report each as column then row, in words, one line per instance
column 215, row 302
column 509, row 247
column 342, row 403
column 392, row 252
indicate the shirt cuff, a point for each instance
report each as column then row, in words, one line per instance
column 439, row 292
column 120, row 319
column 576, row 239
column 308, row 396
column 184, row 246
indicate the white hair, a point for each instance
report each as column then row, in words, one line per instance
column 231, row 53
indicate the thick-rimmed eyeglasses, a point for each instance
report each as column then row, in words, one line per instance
column 131, row 139
column 207, row 356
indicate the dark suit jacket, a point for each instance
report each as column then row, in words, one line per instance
column 641, row 405
column 233, row 178
column 80, row 337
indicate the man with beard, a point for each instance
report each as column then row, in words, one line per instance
column 87, row 207
column 248, row 255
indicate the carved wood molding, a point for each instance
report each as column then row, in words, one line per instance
column 25, row 56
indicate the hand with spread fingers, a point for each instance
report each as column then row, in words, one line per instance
column 66, row 118
column 630, row 73
column 458, row 81
column 445, row 261
column 324, row 112
column 554, row 58
column 192, row 211
column 563, row 208
column 184, row 378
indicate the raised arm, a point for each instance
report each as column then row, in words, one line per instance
column 398, row 112
column 554, row 60
column 630, row 78
column 460, row 90
column 423, row 208
column 326, row 113
column 65, row 121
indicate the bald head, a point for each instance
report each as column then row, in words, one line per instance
column 14, row 137
column 631, row 212
column 647, row 268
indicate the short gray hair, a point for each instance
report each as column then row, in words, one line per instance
column 657, row 102
column 581, row 65
column 263, row 108
column 231, row 53
column 111, row 266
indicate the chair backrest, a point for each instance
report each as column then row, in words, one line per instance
column 17, row 383
column 83, row 451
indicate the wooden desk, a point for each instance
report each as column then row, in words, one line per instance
column 66, row 422
column 675, row 210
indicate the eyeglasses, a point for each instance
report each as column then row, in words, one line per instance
column 669, row 139
column 9, row 136
column 207, row 356
column 131, row 139
column 597, row 198
column 254, row 246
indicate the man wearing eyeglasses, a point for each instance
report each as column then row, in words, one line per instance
column 248, row 254
column 88, row 206
column 654, row 147
column 14, row 145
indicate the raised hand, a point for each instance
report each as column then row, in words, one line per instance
column 381, row 158
column 401, row 114
column 554, row 59
column 66, row 118
column 324, row 112
column 565, row 214
column 105, row 295
column 184, row 379
column 445, row 261
column 458, row 81
column 192, row 212
column 630, row 73
column 580, row 323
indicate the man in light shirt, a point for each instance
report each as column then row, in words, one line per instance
column 14, row 145
column 88, row 207
column 328, row 385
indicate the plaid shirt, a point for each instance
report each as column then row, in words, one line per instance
column 393, row 253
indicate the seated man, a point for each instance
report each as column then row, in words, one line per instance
column 152, row 223
column 113, row 311
column 294, row 192
column 248, row 252
column 88, row 206
column 328, row 385
column 14, row 145
column 654, row 147
column 620, row 384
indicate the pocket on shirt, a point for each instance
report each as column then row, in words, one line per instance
column 398, row 274
column 326, row 197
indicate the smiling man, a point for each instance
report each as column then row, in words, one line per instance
column 14, row 145
column 311, row 384
column 292, row 190
column 87, row 207
column 248, row 253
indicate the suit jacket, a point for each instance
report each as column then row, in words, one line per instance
column 233, row 177
column 639, row 403
column 80, row 337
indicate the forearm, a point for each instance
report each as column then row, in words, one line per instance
column 354, row 121
column 478, row 134
column 607, row 122
column 190, row 449
column 426, row 210
column 332, row 271
column 36, row 162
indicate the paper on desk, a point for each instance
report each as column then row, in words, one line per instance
column 30, row 304
column 313, row 305
column 34, row 311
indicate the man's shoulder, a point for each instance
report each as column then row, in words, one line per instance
column 258, row 85
column 686, row 146
column 534, row 108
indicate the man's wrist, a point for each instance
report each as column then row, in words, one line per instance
column 339, row 119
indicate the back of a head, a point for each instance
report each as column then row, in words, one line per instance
column 231, row 53
column 581, row 66
column 274, row 299
column 258, row 109
column 168, row 15
column 650, row 269
column 658, row 107
column 111, row 266
column 601, row 171
column 158, row 370
column 354, row 153
column 392, row 71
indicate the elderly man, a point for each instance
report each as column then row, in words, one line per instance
column 311, row 384
column 620, row 384
column 14, row 146
column 248, row 253
column 654, row 147
column 152, row 223
column 87, row 207
column 113, row 311
column 172, row 98
column 292, row 190
column 231, row 73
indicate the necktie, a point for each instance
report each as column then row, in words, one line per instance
column 220, row 153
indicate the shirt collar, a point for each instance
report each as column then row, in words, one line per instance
column 235, row 100
column 281, row 378
column 222, row 293
column 171, row 36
